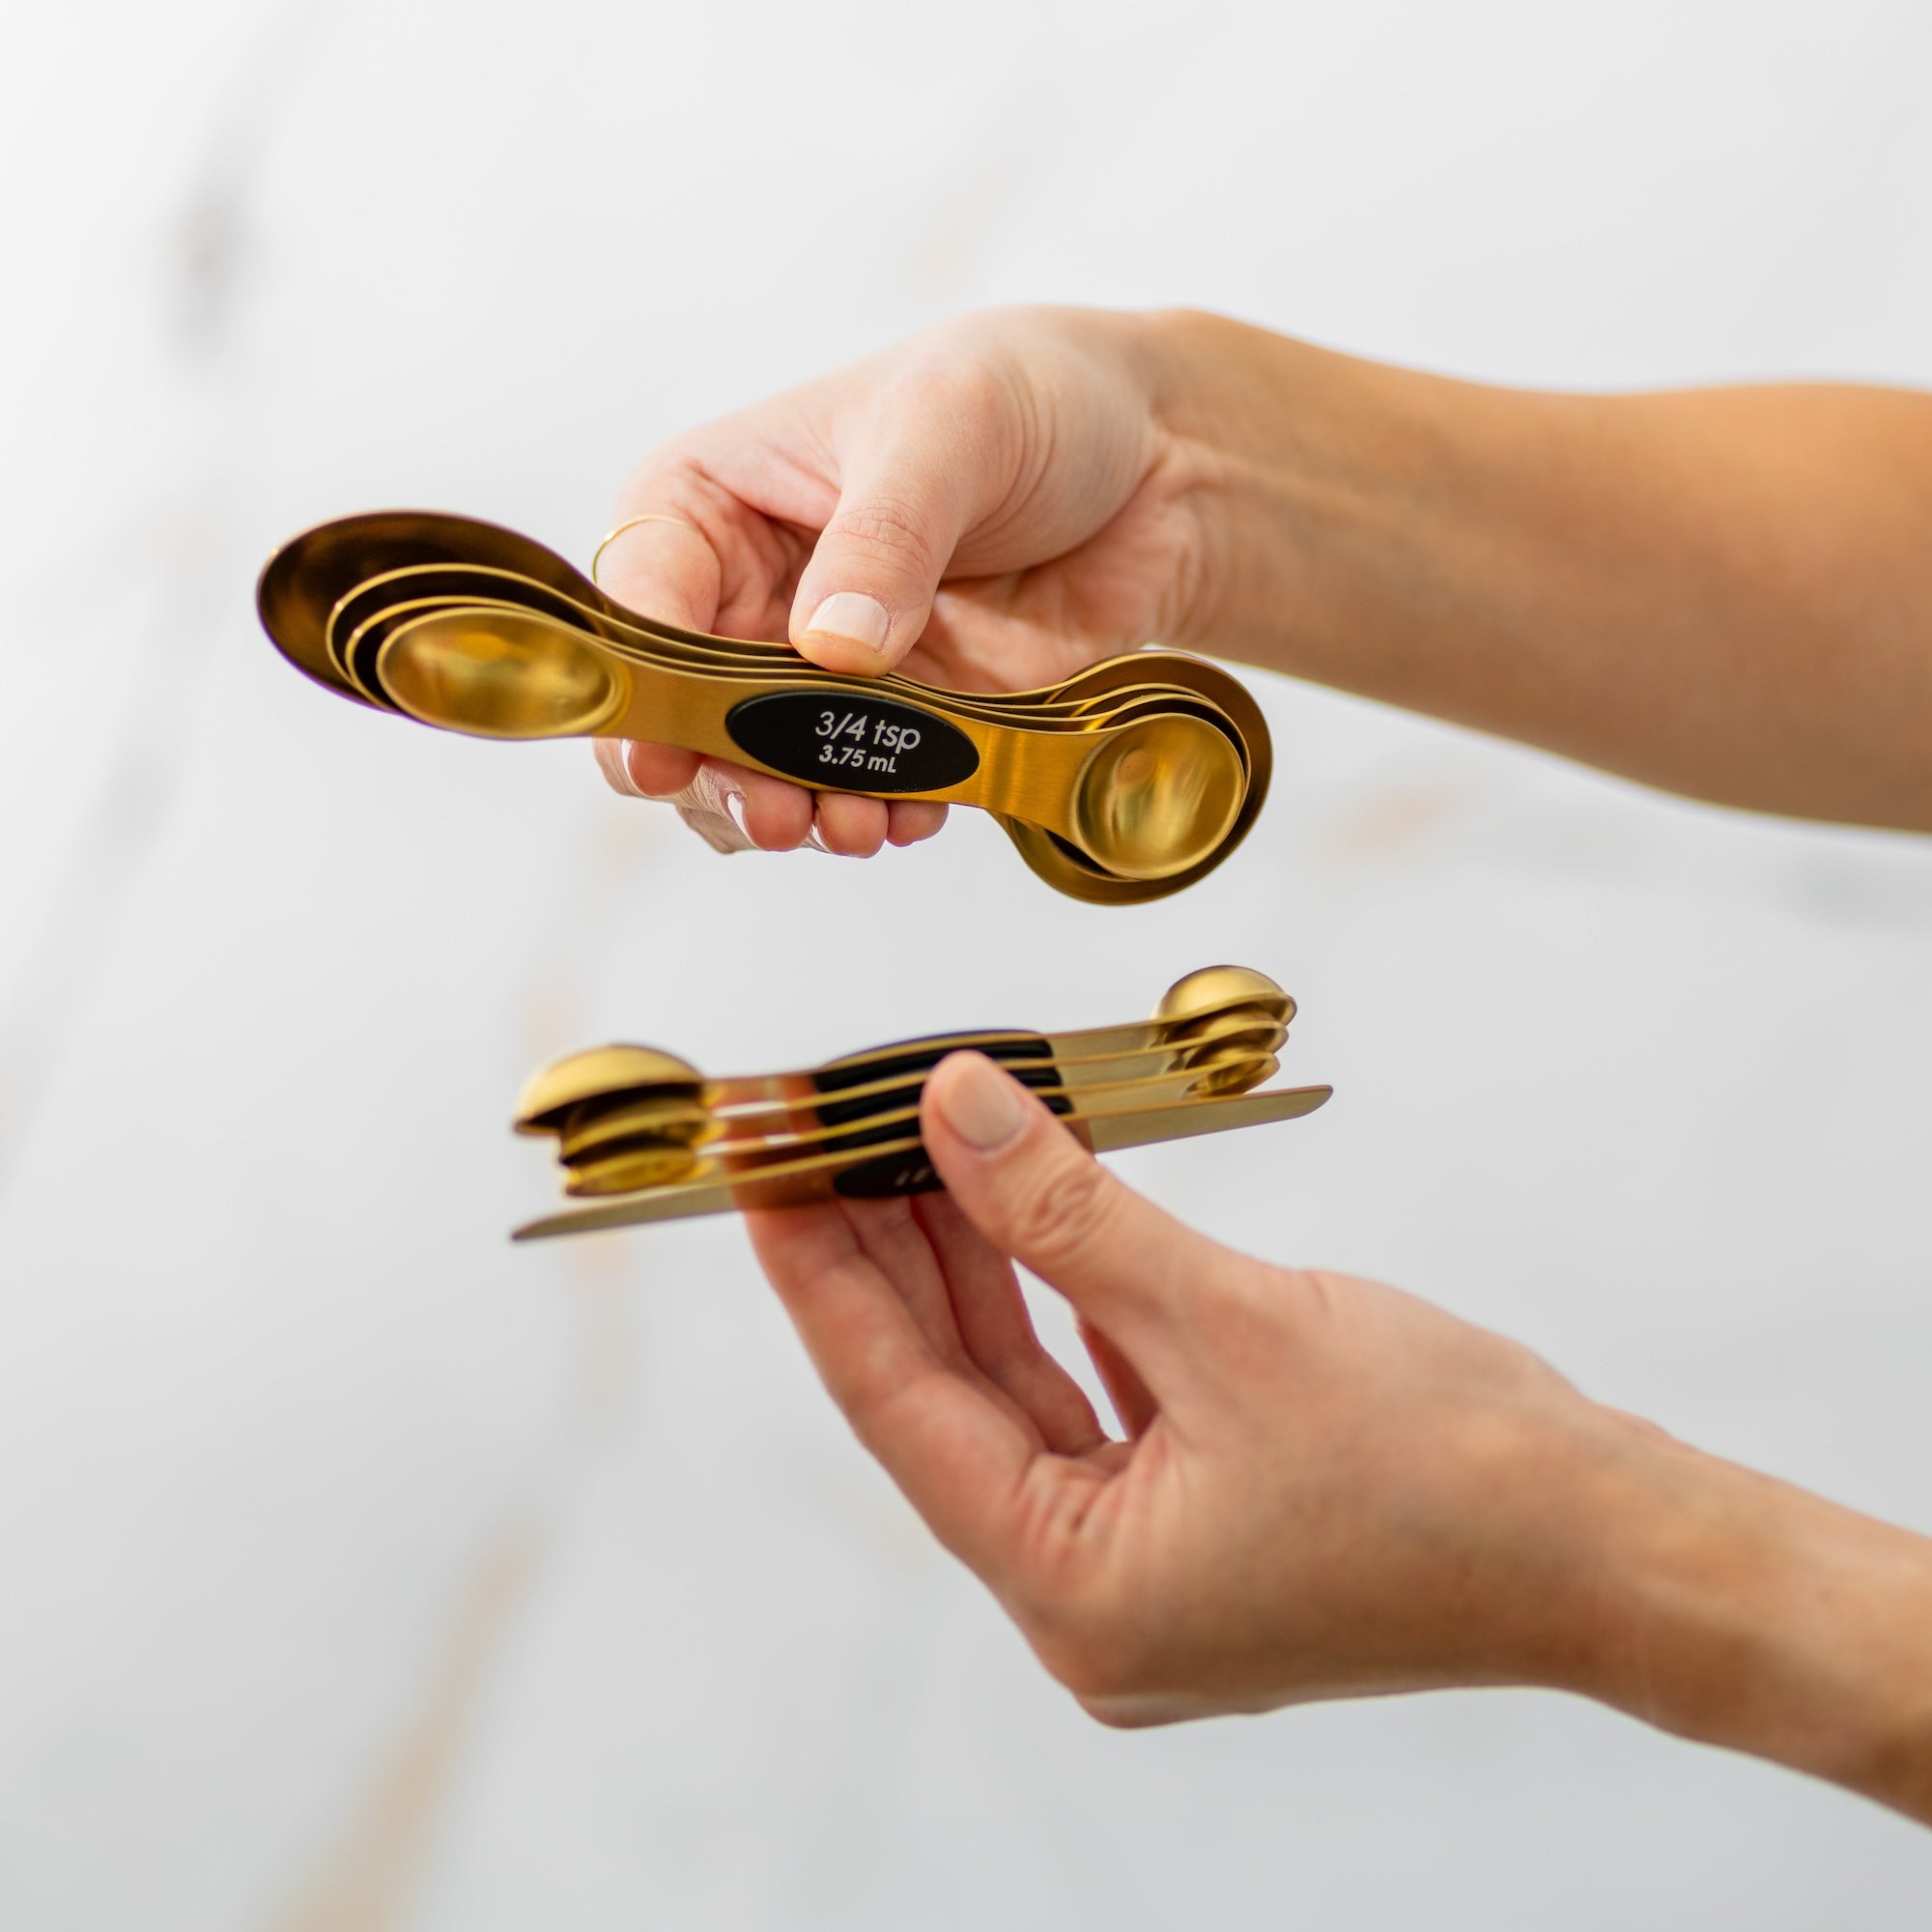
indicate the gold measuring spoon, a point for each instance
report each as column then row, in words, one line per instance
column 1185, row 1015
column 903, row 1168
column 355, row 641
column 1216, row 1058
column 313, row 572
column 602, row 1158
column 1140, row 800
column 364, row 617
column 309, row 577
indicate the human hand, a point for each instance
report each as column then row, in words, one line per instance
column 1327, row 1488
column 990, row 506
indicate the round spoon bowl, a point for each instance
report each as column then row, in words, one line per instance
column 601, row 1072
column 501, row 675
column 1157, row 797
column 1210, row 991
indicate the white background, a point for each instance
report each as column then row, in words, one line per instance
column 357, row 1570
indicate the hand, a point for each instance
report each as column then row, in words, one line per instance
column 990, row 506
column 1328, row 1488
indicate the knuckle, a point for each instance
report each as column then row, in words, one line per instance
column 720, row 834
column 956, row 386
column 888, row 532
column 1259, row 1318
column 662, row 484
column 1066, row 1203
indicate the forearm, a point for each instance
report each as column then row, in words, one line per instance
column 1723, row 592
column 1737, row 1610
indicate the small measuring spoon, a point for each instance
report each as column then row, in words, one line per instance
column 604, row 1165
column 1189, row 1011
column 1214, row 1061
column 902, row 1167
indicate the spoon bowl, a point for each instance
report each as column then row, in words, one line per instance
column 503, row 680
column 1126, row 782
column 1157, row 798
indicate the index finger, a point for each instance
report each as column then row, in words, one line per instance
column 661, row 564
column 959, row 1456
column 699, row 553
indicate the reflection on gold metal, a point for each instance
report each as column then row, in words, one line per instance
column 817, row 1177
column 645, row 1127
column 602, row 1070
column 1123, row 784
column 502, row 674
column 1156, row 797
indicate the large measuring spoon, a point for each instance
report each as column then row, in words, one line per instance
column 613, row 1155
column 1185, row 1016
column 1219, row 1058
column 1142, row 800
column 902, row 1167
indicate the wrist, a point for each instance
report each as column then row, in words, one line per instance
column 1304, row 476
column 1737, row 1610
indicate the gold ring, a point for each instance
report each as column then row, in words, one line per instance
column 631, row 524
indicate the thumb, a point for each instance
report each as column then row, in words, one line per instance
column 1129, row 1269
column 865, row 595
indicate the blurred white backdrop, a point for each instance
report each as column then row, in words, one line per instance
column 360, row 1572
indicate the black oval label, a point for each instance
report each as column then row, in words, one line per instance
column 914, row 1062
column 847, row 740
column 910, row 1169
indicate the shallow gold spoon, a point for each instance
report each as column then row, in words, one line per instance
column 902, row 1167
column 1184, row 1014
column 1140, row 800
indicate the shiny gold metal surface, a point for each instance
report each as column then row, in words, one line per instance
column 639, row 1124
column 614, row 1154
column 1155, row 798
column 592, row 1130
column 598, row 1071
column 1217, row 1006
column 1141, row 799
column 1125, row 782
column 1212, row 991
column 814, row 1177
column 624, row 1170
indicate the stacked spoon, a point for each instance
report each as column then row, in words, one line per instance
column 650, row 1138
column 1123, row 784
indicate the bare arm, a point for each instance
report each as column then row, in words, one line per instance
column 1725, row 592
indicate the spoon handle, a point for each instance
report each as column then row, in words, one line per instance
column 900, row 1167
column 1150, row 792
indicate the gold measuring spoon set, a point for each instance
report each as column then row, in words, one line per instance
column 647, row 1137
column 1123, row 784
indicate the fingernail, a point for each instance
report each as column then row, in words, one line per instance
column 733, row 801
column 613, row 754
column 814, row 843
column 854, row 617
column 980, row 1104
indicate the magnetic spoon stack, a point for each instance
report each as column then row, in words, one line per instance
column 662, row 1141
column 1123, row 784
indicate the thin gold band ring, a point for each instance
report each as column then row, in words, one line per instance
column 631, row 524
